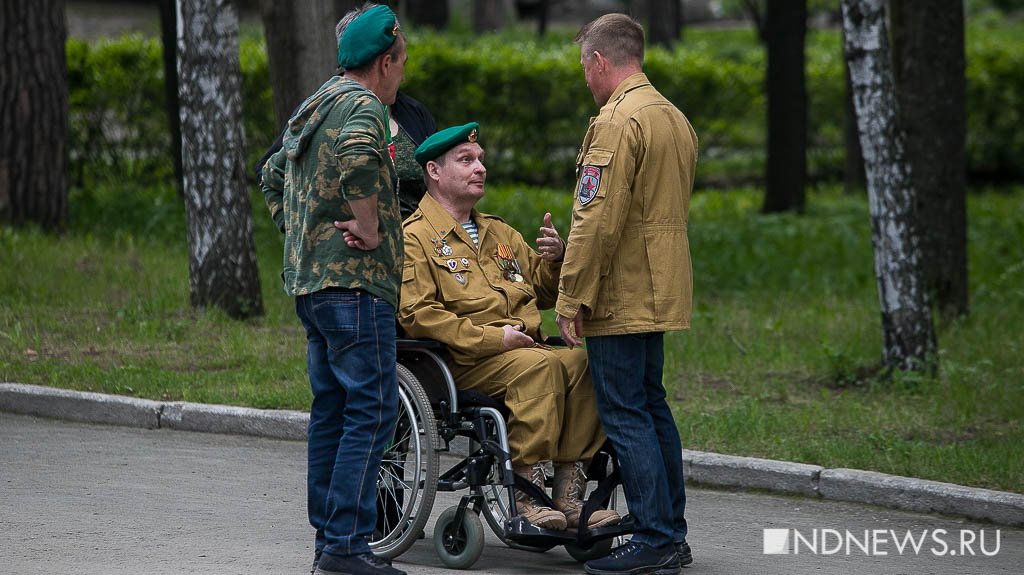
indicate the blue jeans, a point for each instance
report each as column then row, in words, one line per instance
column 627, row 372
column 351, row 362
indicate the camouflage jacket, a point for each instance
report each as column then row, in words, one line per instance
column 335, row 150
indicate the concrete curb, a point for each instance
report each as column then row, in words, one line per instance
column 279, row 424
column 751, row 472
column 80, row 405
column 700, row 467
column 922, row 495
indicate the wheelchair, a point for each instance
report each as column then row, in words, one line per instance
column 431, row 414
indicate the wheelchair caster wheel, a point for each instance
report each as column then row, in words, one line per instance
column 596, row 551
column 458, row 546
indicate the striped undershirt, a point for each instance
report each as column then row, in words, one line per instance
column 470, row 228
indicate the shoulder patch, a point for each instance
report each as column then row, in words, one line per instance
column 590, row 181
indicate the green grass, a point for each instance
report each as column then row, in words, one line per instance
column 785, row 330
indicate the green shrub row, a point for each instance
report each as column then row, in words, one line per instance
column 533, row 104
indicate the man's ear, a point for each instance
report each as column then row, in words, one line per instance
column 432, row 169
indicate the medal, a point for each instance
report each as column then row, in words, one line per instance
column 460, row 277
column 452, row 265
column 441, row 247
column 465, row 262
column 508, row 264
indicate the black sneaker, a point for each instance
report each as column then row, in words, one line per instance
column 316, row 559
column 683, row 551
column 362, row 564
column 636, row 559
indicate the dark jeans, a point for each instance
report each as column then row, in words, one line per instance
column 630, row 397
column 351, row 361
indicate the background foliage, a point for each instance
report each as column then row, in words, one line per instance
column 531, row 100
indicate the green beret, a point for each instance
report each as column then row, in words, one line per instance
column 366, row 37
column 440, row 142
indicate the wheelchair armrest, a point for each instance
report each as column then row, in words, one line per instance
column 405, row 343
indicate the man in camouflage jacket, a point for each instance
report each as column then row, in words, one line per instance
column 332, row 190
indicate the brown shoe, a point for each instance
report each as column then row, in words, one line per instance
column 539, row 515
column 570, row 486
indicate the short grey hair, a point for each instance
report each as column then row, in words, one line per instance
column 616, row 36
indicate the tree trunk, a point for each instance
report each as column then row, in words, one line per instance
column 489, row 15
column 33, row 113
column 432, row 13
column 302, row 50
column 756, row 10
column 786, row 170
column 664, row 19
column 542, row 17
column 222, row 255
column 854, row 179
column 908, row 333
column 928, row 49
column 168, row 39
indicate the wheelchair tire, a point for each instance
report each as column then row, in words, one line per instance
column 407, row 482
column 596, row 551
column 458, row 546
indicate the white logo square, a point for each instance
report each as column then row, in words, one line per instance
column 776, row 541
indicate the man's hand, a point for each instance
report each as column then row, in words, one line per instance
column 357, row 238
column 550, row 244
column 571, row 329
column 515, row 338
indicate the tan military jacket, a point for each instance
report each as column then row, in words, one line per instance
column 460, row 295
column 627, row 261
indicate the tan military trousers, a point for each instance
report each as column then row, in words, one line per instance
column 551, row 398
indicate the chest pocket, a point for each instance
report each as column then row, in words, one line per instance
column 455, row 275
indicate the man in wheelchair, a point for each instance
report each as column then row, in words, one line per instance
column 472, row 282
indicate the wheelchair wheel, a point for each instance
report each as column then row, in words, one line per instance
column 407, row 481
column 458, row 546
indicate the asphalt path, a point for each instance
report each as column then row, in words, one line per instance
column 90, row 499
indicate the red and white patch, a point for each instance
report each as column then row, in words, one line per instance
column 590, row 181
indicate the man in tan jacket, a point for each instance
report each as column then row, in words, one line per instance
column 626, row 281
column 471, row 281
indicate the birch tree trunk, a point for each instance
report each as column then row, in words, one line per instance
column 222, row 255
column 908, row 334
column 33, row 113
column 928, row 46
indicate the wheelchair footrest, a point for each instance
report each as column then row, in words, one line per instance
column 521, row 531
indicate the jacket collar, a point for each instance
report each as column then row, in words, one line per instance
column 444, row 224
column 631, row 83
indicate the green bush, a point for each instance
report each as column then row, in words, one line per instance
column 530, row 97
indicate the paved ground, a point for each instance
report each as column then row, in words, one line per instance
column 79, row 498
